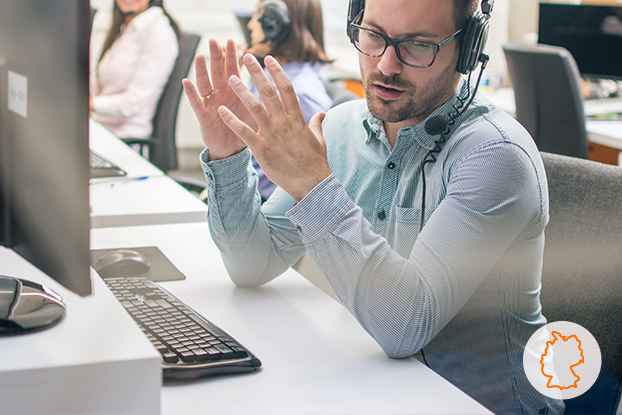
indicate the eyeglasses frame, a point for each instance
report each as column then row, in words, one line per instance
column 395, row 42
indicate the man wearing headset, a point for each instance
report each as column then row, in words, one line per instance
column 424, row 211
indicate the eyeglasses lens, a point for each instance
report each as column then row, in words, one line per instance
column 412, row 53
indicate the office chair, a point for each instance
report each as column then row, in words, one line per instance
column 582, row 268
column 549, row 103
column 93, row 12
column 338, row 92
column 160, row 148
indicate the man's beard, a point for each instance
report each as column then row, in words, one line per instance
column 420, row 102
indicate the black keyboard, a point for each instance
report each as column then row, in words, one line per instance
column 100, row 167
column 189, row 344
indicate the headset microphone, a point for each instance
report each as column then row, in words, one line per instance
column 438, row 124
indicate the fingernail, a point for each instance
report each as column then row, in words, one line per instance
column 222, row 110
column 234, row 80
column 248, row 58
column 269, row 60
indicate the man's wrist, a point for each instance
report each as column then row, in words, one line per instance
column 305, row 188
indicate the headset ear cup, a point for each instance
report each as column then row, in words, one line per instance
column 472, row 42
column 275, row 23
column 354, row 8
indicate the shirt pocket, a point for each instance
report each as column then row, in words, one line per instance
column 407, row 223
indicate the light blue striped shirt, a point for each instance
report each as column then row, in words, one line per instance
column 462, row 295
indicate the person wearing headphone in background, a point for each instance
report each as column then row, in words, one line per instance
column 424, row 205
column 291, row 31
column 135, row 63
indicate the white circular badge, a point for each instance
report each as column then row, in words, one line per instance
column 562, row 360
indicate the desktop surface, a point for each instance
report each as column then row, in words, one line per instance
column 94, row 360
column 316, row 357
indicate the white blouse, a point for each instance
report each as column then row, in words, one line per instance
column 127, row 83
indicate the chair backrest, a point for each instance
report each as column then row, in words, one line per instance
column 163, row 154
column 339, row 93
column 582, row 269
column 549, row 103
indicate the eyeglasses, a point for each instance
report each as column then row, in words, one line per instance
column 410, row 52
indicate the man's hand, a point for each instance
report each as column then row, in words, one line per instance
column 208, row 96
column 292, row 154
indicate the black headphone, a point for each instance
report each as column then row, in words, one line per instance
column 473, row 36
column 275, row 21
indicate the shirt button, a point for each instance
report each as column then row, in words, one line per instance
column 382, row 215
column 391, row 166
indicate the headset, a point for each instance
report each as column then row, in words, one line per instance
column 473, row 37
column 275, row 21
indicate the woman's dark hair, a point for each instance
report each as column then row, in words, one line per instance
column 118, row 20
column 305, row 42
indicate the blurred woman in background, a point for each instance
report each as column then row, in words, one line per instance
column 292, row 31
column 136, row 61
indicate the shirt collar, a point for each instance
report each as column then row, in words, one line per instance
column 375, row 127
column 145, row 18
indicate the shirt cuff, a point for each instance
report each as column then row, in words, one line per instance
column 228, row 172
column 320, row 210
column 102, row 105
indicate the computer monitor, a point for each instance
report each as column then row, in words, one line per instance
column 44, row 154
column 592, row 34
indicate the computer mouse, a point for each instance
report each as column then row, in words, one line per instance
column 26, row 306
column 121, row 263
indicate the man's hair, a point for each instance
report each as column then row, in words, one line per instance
column 305, row 42
column 463, row 9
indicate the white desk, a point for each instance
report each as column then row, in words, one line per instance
column 145, row 196
column 104, row 143
column 95, row 360
column 316, row 357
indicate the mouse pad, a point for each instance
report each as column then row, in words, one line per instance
column 162, row 269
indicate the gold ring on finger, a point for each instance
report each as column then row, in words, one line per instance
column 208, row 96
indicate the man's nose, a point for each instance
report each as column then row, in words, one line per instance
column 389, row 63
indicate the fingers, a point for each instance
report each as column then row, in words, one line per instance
column 203, row 83
column 263, row 84
column 240, row 128
column 217, row 66
column 288, row 97
column 315, row 124
column 192, row 94
column 250, row 101
column 231, row 59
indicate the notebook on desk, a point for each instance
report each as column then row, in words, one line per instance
column 100, row 167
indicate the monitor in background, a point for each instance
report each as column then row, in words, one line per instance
column 592, row 34
column 44, row 153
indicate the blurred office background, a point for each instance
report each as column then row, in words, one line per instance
column 513, row 20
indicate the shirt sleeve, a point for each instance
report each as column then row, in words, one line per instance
column 257, row 242
column 404, row 302
column 159, row 50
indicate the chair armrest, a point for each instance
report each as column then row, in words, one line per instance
column 195, row 186
column 140, row 141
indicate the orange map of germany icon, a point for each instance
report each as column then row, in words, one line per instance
column 563, row 375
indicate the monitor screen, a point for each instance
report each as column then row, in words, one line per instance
column 592, row 34
column 44, row 193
